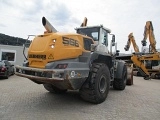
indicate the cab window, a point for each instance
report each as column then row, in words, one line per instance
column 91, row 32
column 104, row 38
column 87, row 43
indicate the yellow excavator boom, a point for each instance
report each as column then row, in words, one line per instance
column 148, row 32
column 131, row 40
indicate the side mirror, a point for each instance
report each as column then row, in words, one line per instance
column 27, row 45
column 113, row 40
column 117, row 52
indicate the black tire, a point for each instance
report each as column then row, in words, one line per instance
column 129, row 76
column 120, row 84
column 7, row 75
column 54, row 89
column 96, row 87
column 139, row 74
column 13, row 72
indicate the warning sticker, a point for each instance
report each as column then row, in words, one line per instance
column 50, row 56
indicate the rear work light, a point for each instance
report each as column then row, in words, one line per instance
column 53, row 43
column 61, row 66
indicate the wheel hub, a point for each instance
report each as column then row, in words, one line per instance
column 102, row 84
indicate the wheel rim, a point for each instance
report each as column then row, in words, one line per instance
column 102, row 84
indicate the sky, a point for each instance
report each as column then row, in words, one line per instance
column 21, row 18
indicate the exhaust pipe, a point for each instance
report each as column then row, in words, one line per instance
column 47, row 25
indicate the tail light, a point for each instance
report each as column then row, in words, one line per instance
column 3, row 69
column 61, row 66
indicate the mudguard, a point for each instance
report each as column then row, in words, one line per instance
column 101, row 57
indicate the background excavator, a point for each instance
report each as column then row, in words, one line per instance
column 131, row 40
column 148, row 62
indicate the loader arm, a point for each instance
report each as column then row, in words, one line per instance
column 131, row 40
column 148, row 32
column 84, row 22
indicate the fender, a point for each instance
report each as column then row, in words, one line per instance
column 101, row 57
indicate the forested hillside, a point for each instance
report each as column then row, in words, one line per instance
column 9, row 40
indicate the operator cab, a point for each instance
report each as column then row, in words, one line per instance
column 98, row 33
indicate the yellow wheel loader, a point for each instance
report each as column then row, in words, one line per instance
column 76, row 61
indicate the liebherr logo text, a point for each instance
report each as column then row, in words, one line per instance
column 70, row 41
column 43, row 57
